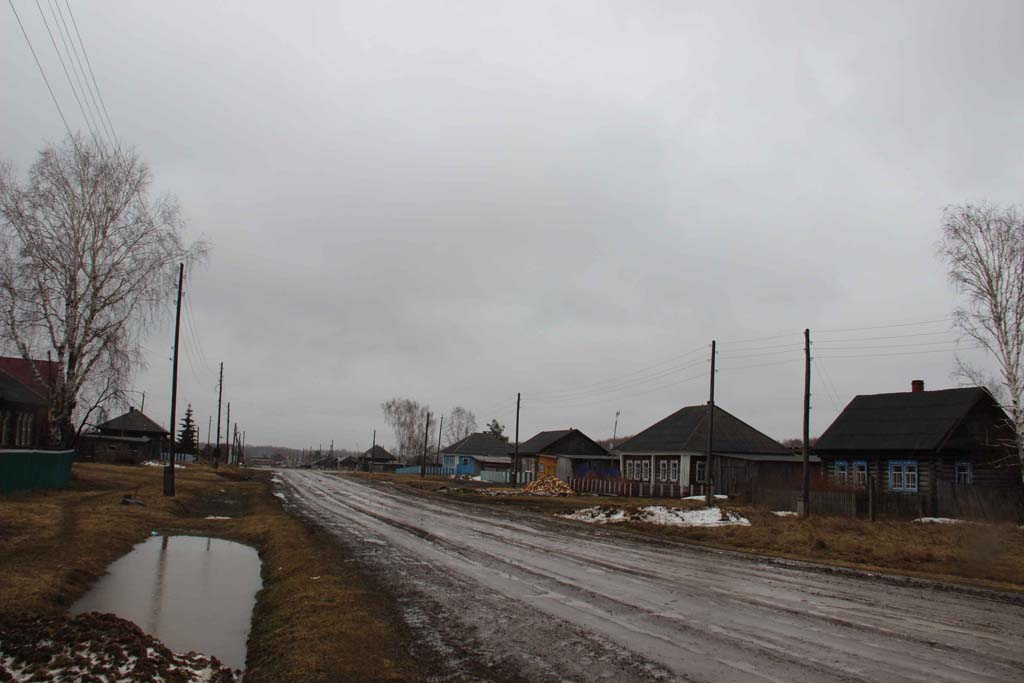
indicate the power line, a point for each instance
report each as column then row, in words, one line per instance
column 577, row 404
column 71, row 84
column 615, row 388
column 761, row 365
column 910, row 335
column 43, row 74
column 830, row 389
column 941, row 342
column 908, row 353
column 93, row 107
column 882, row 327
column 88, row 63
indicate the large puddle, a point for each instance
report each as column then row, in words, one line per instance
column 191, row 592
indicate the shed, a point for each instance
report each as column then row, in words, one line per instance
column 130, row 438
column 566, row 454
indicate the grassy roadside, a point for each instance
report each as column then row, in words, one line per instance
column 983, row 555
column 54, row 545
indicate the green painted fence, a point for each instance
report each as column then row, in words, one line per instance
column 29, row 470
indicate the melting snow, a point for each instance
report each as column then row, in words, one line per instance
column 216, row 517
column 659, row 514
column 938, row 520
column 718, row 496
column 157, row 463
column 783, row 513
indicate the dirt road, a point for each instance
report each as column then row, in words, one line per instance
column 539, row 598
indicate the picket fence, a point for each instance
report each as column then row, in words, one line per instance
column 504, row 476
column 640, row 489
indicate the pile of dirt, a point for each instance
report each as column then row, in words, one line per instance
column 96, row 647
column 549, row 486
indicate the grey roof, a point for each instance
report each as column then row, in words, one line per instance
column 479, row 443
column 904, row 421
column 571, row 443
column 14, row 391
column 686, row 430
column 378, row 454
column 132, row 421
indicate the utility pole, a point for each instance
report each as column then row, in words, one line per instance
column 234, row 445
column 426, row 438
column 373, row 450
column 227, row 430
column 615, row 431
column 169, row 470
column 805, row 491
column 330, row 453
column 515, row 457
column 209, row 428
column 437, row 458
column 142, row 409
column 220, row 395
column 708, row 477
column 242, row 458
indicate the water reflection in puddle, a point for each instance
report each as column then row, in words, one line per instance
column 191, row 592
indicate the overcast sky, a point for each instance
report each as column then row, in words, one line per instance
column 458, row 201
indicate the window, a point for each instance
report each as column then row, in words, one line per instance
column 860, row 472
column 842, row 471
column 629, row 469
column 903, row 476
column 528, row 465
column 663, row 470
column 700, row 468
column 964, row 472
column 465, row 461
column 647, row 470
column 673, row 472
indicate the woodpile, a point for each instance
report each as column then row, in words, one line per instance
column 549, row 486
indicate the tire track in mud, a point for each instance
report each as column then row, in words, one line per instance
column 691, row 613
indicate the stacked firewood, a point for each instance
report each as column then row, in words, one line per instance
column 549, row 486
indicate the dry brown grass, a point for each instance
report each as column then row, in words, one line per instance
column 54, row 545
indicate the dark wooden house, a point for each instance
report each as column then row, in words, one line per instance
column 378, row 459
column 673, row 451
column 566, row 454
column 936, row 450
column 23, row 415
column 127, row 439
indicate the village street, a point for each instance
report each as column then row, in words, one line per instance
column 545, row 599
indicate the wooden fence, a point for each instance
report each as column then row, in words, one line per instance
column 842, row 503
column 979, row 502
column 639, row 489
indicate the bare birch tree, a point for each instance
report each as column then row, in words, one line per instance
column 87, row 260
column 408, row 418
column 459, row 424
column 983, row 246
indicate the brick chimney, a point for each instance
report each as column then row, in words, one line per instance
column 917, row 386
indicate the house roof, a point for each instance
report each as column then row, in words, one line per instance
column 548, row 443
column 21, row 370
column 378, row 453
column 904, row 421
column 686, row 430
column 16, row 392
column 132, row 421
column 479, row 443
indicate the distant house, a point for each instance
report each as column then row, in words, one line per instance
column 378, row 459
column 23, row 415
column 673, row 451
column 475, row 453
column 130, row 438
column 566, row 454
column 348, row 462
column 922, row 443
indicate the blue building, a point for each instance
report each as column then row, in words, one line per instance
column 477, row 452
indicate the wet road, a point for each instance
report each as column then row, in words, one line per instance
column 553, row 601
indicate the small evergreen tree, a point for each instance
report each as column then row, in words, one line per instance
column 187, row 441
column 497, row 429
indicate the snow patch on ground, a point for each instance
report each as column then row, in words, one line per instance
column 938, row 520
column 281, row 496
column 718, row 496
column 659, row 514
column 157, row 463
column 215, row 517
column 784, row 513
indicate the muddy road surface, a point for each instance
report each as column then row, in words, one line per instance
column 507, row 595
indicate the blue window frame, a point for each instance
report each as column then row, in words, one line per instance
column 860, row 472
column 964, row 472
column 842, row 471
column 903, row 476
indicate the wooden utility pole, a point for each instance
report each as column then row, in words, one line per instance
column 142, row 408
column 615, row 431
column 220, row 395
column 373, row 451
column 169, row 470
column 805, row 489
column 515, row 458
column 209, row 428
column 708, row 470
column 227, row 430
column 437, row 457
column 426, row 439
column 242, row 454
